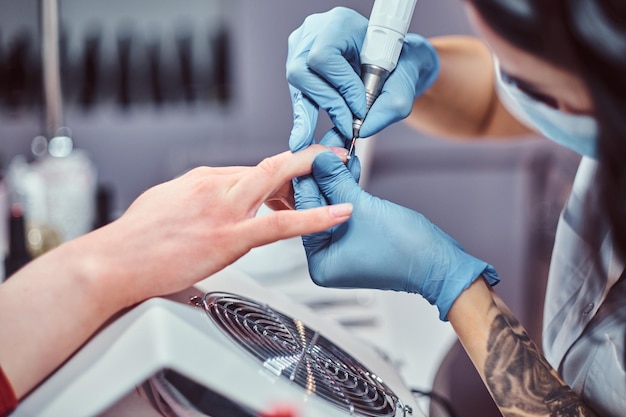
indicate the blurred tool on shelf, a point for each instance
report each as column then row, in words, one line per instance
column 52, row 194
column 182, row 65
column 79, row 61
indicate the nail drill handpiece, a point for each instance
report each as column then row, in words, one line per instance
column 388, row 25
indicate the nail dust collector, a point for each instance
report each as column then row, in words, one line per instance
column 242, row 348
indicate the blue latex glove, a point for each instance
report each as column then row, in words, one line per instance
column 383, row 245
column 323, row 67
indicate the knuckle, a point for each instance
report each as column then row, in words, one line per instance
column 318, row 56
column 275, row 221
column 318, row 279
column 293, row 37
column 294, row 73
column 279, row 222
column 269, row 166
column 201, row 170
column 340, row 12
column 312, row 19
column 401, row 106
column 306, row 201
column 199, row 173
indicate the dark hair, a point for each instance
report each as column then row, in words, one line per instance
column 587, row 37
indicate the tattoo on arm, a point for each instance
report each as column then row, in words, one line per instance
column 520, row 379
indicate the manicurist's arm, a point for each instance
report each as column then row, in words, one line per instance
column 520, row 380
column 462, row 102
column 390, row 247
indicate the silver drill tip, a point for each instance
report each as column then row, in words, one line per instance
column 351, row 148
column 356, row 130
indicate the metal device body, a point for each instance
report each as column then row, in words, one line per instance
column 51, row 66
column 388, row 25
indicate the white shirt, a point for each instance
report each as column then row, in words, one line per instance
column 584, row 329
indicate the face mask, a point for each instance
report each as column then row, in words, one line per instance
column 576, row 132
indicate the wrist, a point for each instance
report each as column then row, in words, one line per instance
column 95, row 271
column 459, row 279
column 67, row 298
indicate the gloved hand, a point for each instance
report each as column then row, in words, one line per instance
column 323, row 67
column 383, row 245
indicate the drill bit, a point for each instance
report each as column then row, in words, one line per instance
column 356, row 132
column 351, row 147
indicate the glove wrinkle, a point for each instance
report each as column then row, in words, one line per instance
column 383, row 245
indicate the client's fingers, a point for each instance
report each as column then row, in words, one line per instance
column 267, row 177
column 282, row 199
column 286, row 224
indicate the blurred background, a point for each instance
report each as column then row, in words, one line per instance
column 153, row 88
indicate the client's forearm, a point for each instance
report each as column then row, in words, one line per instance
column 48, row 309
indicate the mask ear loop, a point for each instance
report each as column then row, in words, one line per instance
column 503, row 88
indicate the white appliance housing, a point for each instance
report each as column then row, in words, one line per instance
column 164, row 334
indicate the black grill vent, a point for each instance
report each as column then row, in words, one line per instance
column 287, row 347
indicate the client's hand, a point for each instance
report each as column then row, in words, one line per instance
column 172, row 236
column 186, row 229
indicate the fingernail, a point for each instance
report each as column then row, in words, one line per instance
column 340, row 152
column 341, row 210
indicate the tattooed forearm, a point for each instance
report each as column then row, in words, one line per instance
column 521, row 381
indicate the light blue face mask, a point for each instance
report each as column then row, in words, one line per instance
column 576, row 132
